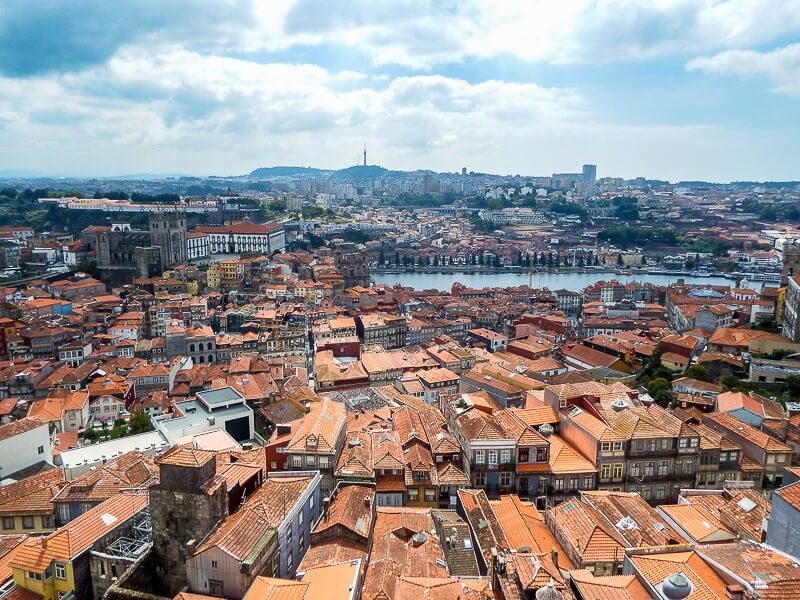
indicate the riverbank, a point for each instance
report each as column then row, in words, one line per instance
column 574, row 281
column 471, row 269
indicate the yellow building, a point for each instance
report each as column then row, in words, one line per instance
column 214, row 277
column 26, row 506
column 421, row 488
column 49, row 565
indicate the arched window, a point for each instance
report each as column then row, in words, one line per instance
column 200, row 347
column 210, row 358
column 191, row 347
column 201, row 360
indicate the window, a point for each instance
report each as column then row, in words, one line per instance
column 63, row 513
column 505, row 479
column 661, row 492
column 214, row 564
column 781, row 459
column 617, row 446
column 40, row 449
column 480, row 480
column 323, row 462
column 635, row 469
column 480, row 457
column 297, row 461
column 430, row 495
column 273, row 465
column 8, row 522
column 47, row 521
column 302, row 541
column 311, row 503
column 683, row 443
column 33, row 576
column 588, row 482
column 300, row 519
column 413, row 494
column 310, row 460
column 558, row 484
column 665, row 444
column 61, row 570
column 646, row 493
column 492, row 457
column 649, row 469
column 541, row 454
column 605, row 471
column 694, row 442
column 27, row 523
column 505, row 456
column 663, row 466
column 605, row 446
column 617, row 471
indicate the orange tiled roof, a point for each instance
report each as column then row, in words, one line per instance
column 655, row 568
column 78, row 535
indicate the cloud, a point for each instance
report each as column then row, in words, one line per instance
column 781, row 66
column 69, row 35
column 422, row 33
column 176, row 99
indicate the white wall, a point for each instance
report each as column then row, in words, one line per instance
column 22, row 451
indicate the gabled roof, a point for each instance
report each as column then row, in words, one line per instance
column 350, row 508
column 591, row 536
column 655, row 568
column 320, row 429
column 610, row 587
column 633, row 517
column 31, row 495
column 79, row 535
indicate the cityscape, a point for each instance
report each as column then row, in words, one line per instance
column 278, row 323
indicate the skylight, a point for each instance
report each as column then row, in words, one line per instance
column 746, row 504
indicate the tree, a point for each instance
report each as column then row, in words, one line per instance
column 620, row 261
column 657, row 385
column 731, row 382
column 139, row 423
column 698, row 372
column 8, row 193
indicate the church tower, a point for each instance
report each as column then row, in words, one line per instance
column 168, row 232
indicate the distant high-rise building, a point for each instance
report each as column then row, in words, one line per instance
column 590, row 174
column 365, row 155
column 463, row 171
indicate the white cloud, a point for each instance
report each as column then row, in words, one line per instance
column 247, row 110
column 781, row 66
column 421, row 33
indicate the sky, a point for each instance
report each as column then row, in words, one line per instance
column 667, row 89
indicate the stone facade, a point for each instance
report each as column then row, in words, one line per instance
column 184, row 508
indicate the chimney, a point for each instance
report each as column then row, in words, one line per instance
column 492, row 568
column 44, row 542
column 366, row 500
column 191, row 546
column 734, row 591
column 554, row 556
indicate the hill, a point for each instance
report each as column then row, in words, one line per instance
column 266, row 172
column 361, row 172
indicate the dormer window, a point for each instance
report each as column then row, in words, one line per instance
column 311, row 442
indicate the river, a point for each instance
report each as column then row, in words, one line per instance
column 555, row 281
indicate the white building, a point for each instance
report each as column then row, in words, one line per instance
column 241, row 238
column 197, row 245
column 223, row 408
column 24, row 443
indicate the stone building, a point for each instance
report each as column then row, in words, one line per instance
column 188, row 502
column 351, row 262
column 168, row 232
